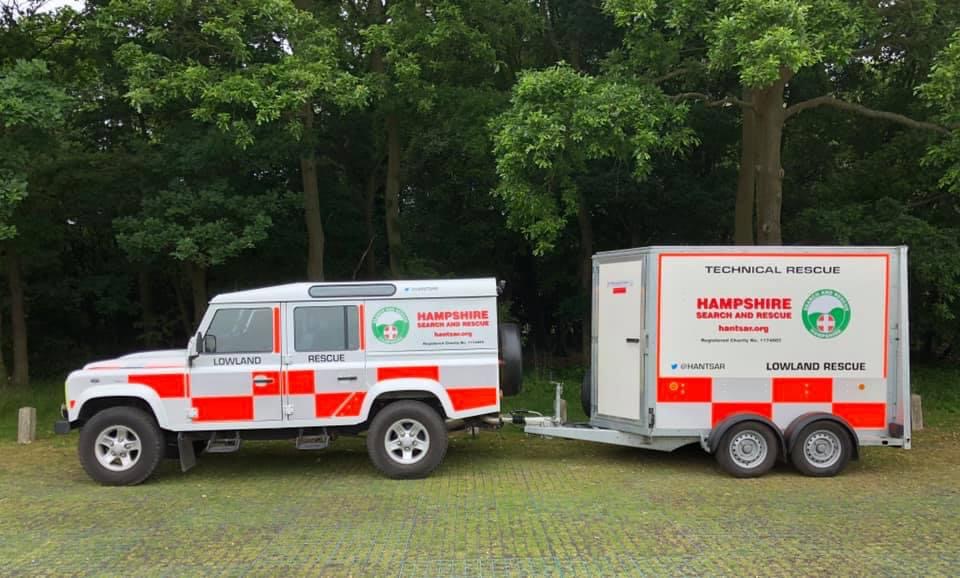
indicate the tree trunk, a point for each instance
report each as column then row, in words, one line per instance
column 4, row 376
column 198, row 288
column 586, row 270
column 188, row 327
column 747, row 178
column 18, row 320
column 311, row 199
column 392, row 196
column 768, row 106
column 369, row 204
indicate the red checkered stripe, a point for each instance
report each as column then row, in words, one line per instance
column 326, row 404
column 703, row 402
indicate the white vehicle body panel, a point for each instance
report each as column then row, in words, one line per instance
column 436, row 338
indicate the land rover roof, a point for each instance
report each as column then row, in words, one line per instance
column 416, row 289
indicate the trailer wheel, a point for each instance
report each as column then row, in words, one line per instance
column 120, row 446
column 511, row 358
column 747, row 450
column 822, row 449
column 407, row 439
column 585, row 392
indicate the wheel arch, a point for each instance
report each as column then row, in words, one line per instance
column 425, row 390
column 97, row 399
column 716, row 434
column 797, row 425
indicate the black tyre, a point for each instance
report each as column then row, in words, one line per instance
column 747, row 450
column 585, row 392
column 511, row 359
column 407, row 439
column 121, row 446
column 822, row 449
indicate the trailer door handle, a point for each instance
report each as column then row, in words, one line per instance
column 347, row 378
column 633, row 340
column 261, row 381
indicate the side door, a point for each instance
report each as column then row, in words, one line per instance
column 620, row 339
column 325, row 360
column 237, row 378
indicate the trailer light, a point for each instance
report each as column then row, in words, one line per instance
column 674, row 386
column 862, row 386
column 73, row 403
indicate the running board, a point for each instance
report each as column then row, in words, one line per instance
column 218, row 445
column 312, row 442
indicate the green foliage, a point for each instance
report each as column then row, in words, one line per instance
column 205, row 225
column 30, row 103
column 761, row 38
column 559, row 122
column 237, row 65
column 942, row 93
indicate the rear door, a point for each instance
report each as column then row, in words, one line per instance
column 325, row 361
column 620, row 339
column 238, row 378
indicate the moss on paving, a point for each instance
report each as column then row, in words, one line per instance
column 501, row 504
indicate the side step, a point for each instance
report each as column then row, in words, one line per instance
column 222, row 445
column 312, row 442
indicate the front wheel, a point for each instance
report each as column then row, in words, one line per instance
column 121, row 446
column 747, row 450
column 407, row 439
column 822, row 449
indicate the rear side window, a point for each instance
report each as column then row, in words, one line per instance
column 242, row 330
column 326, row 328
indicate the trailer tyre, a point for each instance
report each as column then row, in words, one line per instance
column 511, row 359
column 585, row 392
column 747, row 450
column 121, row 446
column 822, row 449
column 407, row 439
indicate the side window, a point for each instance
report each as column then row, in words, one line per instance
column 242, row 330
column 326, row 328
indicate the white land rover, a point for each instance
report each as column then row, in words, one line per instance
column 402, row 361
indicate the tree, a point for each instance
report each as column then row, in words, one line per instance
column 199, row 225
column 559, row 122
column 239, row 65
column 31, row 105
column 766, row 44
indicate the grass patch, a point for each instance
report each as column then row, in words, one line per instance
column 46, row 396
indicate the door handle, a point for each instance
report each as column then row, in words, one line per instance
column 262, row 381
column 633, row 340
column 347, row 378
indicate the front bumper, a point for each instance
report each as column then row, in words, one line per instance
column 62, row 426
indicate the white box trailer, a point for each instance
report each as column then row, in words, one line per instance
column 755, row 353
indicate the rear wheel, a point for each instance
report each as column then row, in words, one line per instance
column 511, row 358
column 821, row 449
column 407, row 439
column 747, row 450
column 120, row 446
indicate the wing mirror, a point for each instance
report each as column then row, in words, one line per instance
column 209, row 343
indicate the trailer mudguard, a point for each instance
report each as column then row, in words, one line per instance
column 797, row 425
column 716, row 434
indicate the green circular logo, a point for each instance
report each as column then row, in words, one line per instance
column 390, row 325
column 826, row 313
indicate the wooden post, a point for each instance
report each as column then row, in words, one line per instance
column 27, row 425
column 916, row 412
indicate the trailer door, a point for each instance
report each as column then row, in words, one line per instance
column 620, row 339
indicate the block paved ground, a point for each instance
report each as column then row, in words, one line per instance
column 501, row 505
